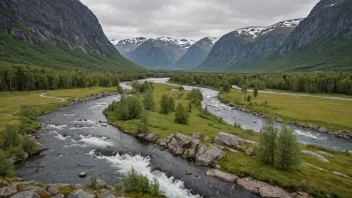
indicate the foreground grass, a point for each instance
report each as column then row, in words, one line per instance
column 332, row 114
column 11, row 102
column 318, row 183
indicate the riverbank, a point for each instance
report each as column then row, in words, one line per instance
column 234, row 159
column 315, row 114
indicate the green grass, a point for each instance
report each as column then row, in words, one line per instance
column 11, row 102
column 318, row 183
column 332, row 114
column 164, row 125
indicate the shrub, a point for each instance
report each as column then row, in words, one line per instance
column 237, row 125
column 195, row 96
column 167, row 104
column 143, row 126
column 128, row 108
column 10, row 137
column 255, row 92
column 227, row 87
column 93, row 181
column 181, row 116
column 17, row 151
column 249, row 98
column 7, row 169
column 288, row 149
column 268, row 143
column 148, row 100
column 29, row 145
column 137, row 183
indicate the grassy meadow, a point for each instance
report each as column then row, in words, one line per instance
column 317, row 182
column 329, row 113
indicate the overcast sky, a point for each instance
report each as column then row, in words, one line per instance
column 191, row 19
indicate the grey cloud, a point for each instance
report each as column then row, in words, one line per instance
column 191, row 19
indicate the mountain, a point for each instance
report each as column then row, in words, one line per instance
column 128, row 45
column 196, row 54
column 160, row 53
column 247, row 46
column 322, row 42
column 60, row 34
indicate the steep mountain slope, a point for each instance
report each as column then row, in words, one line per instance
column 160, row 53
column 247, row 46
column 322, row 41
column 196, row 54
column 128, row 45
column 62, row 34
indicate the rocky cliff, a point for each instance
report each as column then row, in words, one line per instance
column 160, row 53
column 196, row 54
column 247, row 46
column 46, row 28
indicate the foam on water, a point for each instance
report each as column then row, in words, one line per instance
column 308, row 134
column 95, row 141
column 84, row 121
column 59, row 136
column 60, row 127
column 169, row 186
column 83, row 127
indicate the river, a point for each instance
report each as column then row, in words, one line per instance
column 78, row 139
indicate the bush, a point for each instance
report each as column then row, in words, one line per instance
column 268, row 143
column 128, row 108
column 148, row 100
column 7, row 169
column 237, row 125
column 167, row 104
column 143, row 126
column 29, row 145
column 249, row 98
column 10, row 137
column 16, row 152
column 227, row 87
column 195, row 96
column 137, row 183
column 181, row 116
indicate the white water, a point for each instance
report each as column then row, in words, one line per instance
column 57, row 127
column 169, row 186
column 59, row 136
column 100, row 142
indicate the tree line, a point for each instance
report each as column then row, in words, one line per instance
column 331, row 83
column 16, row 77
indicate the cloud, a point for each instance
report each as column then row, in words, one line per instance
column 192, row 19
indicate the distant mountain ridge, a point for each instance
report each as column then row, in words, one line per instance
column 196, row 54
column 61, row 34
column 246, row 46
column 127, row 46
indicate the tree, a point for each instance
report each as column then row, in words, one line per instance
column 268, row 143
column 181, row 116
column 244, row 90
column 255, row 93
column 167, row 104
column 288, row 149
column 143, row 125
column 227, row 87
column 10, row 137
column 148, row 100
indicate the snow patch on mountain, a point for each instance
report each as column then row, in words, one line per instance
column 288, row 23
column 183, row 43
column 250, row 31
column 213, row 39
column 136, row 41
column 114, row 41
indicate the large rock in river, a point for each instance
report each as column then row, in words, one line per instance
column 209, row 157
column 226, row 139
column 179, row 143
column 223, row 176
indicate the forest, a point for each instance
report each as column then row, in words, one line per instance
column 17, row 77
column 330, row 83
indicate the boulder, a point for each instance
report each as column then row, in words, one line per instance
column 141, row 136
column 201, row 149
column 80, row 194
column 206, row 139
column 197, row 135
column 263, row 189
column 59, row 196
column 249, row 151
column 229, row 140
column 26, row 194
column 164, row 141
column 210, row 157
column 7, row 191
column 99, row 184
column 179, row 143
column 223, row 176
column 35, row 189
column 3, row 183
column 301, row 194
column 53, row 190
column 82, row 174
column 321, row 158
column 323, row 130
column 106, row 194
column 151, row 137
column 191, row 152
